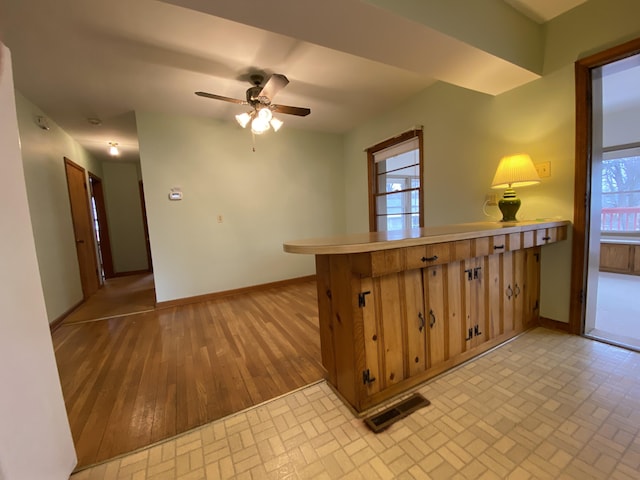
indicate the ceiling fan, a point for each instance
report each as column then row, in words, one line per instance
column 260, row 97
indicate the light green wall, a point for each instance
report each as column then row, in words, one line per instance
column 43, row 153
column 291, row 187
column 124, row 216
column 466, row 133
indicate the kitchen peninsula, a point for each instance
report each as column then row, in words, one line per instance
column 397, row 308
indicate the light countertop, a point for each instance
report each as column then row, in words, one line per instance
column 373, row 241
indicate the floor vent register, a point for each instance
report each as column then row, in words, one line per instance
column 387, row 417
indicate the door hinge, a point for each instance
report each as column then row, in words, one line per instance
column 367, row 378
column 361, row 298
column 475, row 272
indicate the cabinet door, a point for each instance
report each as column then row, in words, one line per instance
column 636, row 259
column 456, row 321
column 371, row 335
column 514, row 279
column 395, row 328
column 475, row 301
column 390, row 307
column 434, row 295
column 495, row 295
column 615, row 257
column 415, row 322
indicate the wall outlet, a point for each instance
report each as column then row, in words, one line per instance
column 544, row 169
column 491, row 199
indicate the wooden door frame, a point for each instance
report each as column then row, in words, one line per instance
column 105, row 241
column 94, row 252
column 582, row 189
column 147, row 242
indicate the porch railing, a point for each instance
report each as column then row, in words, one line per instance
column 620, row 219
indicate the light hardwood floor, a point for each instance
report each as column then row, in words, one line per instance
column 136, row 379
column 118, row 296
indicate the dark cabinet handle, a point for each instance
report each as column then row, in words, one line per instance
column 498, row 247
column 432, row 319
column 516, row 291
column 429, row 259
column 469, row 272
column 546, row 239
column 509, row 292
column 422, row 322
column 476, row 330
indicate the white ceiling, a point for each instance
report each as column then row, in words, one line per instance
column 77, row 59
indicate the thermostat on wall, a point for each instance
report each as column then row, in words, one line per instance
column 175, row 194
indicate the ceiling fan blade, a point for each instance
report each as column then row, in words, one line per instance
column 275, row 83
column 220, row 97
column 300, row 111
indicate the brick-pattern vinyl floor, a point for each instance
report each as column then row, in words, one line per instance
column 545, row 406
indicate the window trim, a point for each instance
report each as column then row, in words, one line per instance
column 371, row 171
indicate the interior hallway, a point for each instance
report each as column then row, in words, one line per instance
column 132, row 380
column 118, row 296
column 546, row 405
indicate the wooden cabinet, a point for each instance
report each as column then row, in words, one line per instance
column 392, row 318
column 620, row 258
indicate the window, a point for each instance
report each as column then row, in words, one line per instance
column 621, row 191
column 395, row 183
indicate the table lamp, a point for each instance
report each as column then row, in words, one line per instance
column 513, row 171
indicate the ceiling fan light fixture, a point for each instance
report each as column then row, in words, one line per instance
column 276, row 124
column 243, row 119
column 265, row 114
column 113, row 149
column 259, row 126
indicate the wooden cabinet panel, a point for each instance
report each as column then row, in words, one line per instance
column 389, row 319
column 528, row 239
column 475, row 331
column 544, row 236
column 514, row 241
column 371, row 336
column 427, row 255
column 382, row 262
column 344, row 323
column 434, row 295
column 498, row 244
column 460, row 250
column 481, row 246
column 456, row 315
column 323, row 284
column 416, row 322
column 620, row 258
column 495, row 295
column 615, row 257
column 389, row 307
column 532, row 287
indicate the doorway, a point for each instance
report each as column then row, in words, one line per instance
column 101, row 226
column 605, row 199
column 82, row 228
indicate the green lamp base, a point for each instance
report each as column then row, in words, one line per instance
column 509, row 205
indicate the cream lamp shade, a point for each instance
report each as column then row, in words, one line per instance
column 513, row 171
